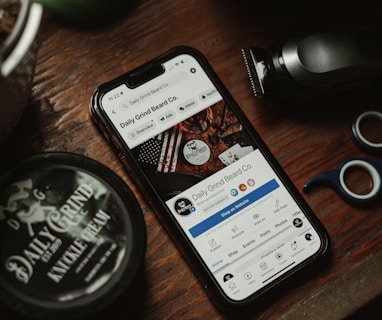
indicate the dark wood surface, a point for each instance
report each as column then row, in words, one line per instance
column 72, row 62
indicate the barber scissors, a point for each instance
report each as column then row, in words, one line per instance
column 336, row 178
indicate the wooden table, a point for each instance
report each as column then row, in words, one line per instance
column 308, row 140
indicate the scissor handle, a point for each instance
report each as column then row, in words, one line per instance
column 336, row 179
column 360, row 139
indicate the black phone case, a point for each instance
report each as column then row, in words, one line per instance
column 216, row 293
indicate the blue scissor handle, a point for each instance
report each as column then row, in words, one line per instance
column 365, row 144
column 335, row 179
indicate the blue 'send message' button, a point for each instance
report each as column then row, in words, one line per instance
column 233, row 208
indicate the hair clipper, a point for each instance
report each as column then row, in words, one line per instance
column 319, row 64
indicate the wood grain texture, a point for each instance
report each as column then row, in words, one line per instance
column 306, row 141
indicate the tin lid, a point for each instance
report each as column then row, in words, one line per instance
column 72, row 236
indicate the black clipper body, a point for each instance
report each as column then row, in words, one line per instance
column 314, row 65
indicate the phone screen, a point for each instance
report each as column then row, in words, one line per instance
column 208, row 170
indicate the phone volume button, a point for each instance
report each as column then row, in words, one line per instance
column 116, row 144
column 123, row 159
column 119, row 149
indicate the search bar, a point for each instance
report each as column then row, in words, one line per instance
column 161, row 87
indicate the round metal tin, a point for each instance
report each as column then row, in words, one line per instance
column 72, row 236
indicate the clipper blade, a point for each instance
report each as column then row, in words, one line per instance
column 253, row 58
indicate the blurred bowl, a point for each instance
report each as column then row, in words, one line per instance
column 17, row 67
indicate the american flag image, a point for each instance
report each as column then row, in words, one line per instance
column 162, row 151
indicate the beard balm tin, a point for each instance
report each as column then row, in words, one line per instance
column 72, row 236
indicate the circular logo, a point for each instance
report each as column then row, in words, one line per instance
column 227, row 277
column 309, row 237
column 196, row 152
column 234, row 192
column 183, row 207
column 242, row 187
column 297, row 223
column 251, row 182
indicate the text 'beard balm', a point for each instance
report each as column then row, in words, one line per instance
column 72, row 236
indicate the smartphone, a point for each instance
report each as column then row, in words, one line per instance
column 231, row 208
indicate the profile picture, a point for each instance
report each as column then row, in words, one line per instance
column 184, row 207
